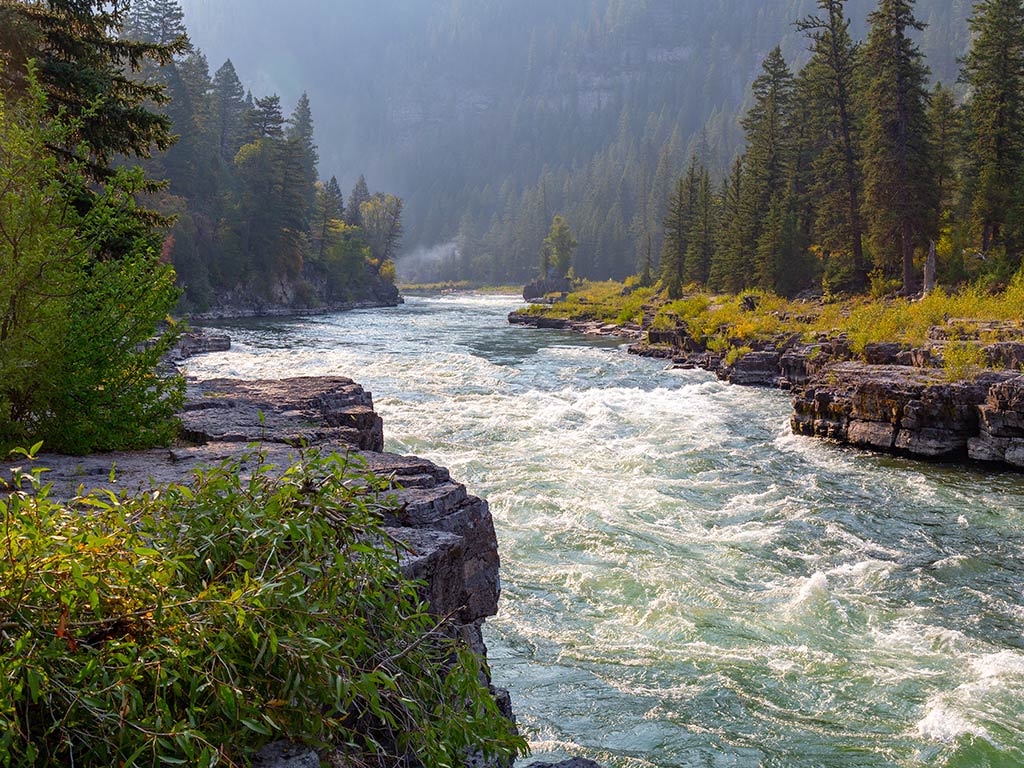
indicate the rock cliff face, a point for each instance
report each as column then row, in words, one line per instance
column 449, row 533
column 916, row 412
column 308, row 294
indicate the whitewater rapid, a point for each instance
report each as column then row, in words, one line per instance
column 685, row 582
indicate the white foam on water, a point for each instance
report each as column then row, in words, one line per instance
column 1004, row 665
column 945, row 724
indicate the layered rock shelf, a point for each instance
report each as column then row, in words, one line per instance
column 916, row 412
column 449, row 533
column 888, row 398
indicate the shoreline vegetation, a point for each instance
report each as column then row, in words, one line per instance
column 458, row 286
column 734, row 325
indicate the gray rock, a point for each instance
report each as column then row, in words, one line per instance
column 284, row 755
column 914, row 411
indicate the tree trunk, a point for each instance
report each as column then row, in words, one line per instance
column 907, row 241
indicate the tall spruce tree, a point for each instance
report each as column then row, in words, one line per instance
column 303, row 147
column 900, row 204
column 946, row 120
column 360, row 195
column 678, row 226
column 767, row 164
column 728, row 265
column 994, row 70
column 701, row 247
column 228, row 110
column 831, row 89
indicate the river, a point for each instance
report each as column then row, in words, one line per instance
column 685, row 583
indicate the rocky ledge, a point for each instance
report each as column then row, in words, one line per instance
column 916, row 412
column 586, row 327
column 449, row 533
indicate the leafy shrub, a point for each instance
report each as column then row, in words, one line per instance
column 962, row 360
column 82, row 295
column 193, row 625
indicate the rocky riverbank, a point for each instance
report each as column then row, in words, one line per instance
column 888, row 398
column 449, row 534
column 308, row 294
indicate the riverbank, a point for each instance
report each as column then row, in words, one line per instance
column 444, row 535
column 957, row 394
column 670, row 551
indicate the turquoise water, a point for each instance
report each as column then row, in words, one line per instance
column 685, row 582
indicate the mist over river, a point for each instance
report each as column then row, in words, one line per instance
column 685, row 583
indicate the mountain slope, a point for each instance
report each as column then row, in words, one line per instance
column 489, row 116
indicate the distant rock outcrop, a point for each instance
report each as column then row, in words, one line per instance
column 542, row 287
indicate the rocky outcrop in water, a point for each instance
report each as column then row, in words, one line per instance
column 199, row 342
column 914, row 412
column 586, row 327
column 449, row 534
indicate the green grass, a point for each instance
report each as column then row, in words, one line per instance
column 723, row 323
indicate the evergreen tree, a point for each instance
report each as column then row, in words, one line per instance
column 994, row 69
column 156, row 21
column 729, row 269
column 86, row 70
column 831, row 77
column 360, row 195
column 946, row 122
column 303, row 148
column 263, row 120
column 900, row 205
column 228, row 109
column 678, row 226
column 701, row 247
column 328, row 209
column 767, row 162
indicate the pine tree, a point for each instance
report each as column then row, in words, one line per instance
column 994, row 69
column 946, row 121
column 728, row 265
column 701, row 247
column 831, row 85
column 263, row 120
column 767, row 162
column 328, row 210
column 87, row 71
column 678, row 226
column 899, row 200
column 360, row 195
column 228, row 109
column 156, row 21
column 300, row 137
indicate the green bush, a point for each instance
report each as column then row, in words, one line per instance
column 82, row 294
column 193, row 625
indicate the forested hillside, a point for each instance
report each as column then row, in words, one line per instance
column 490, row 116
column 252, row 228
